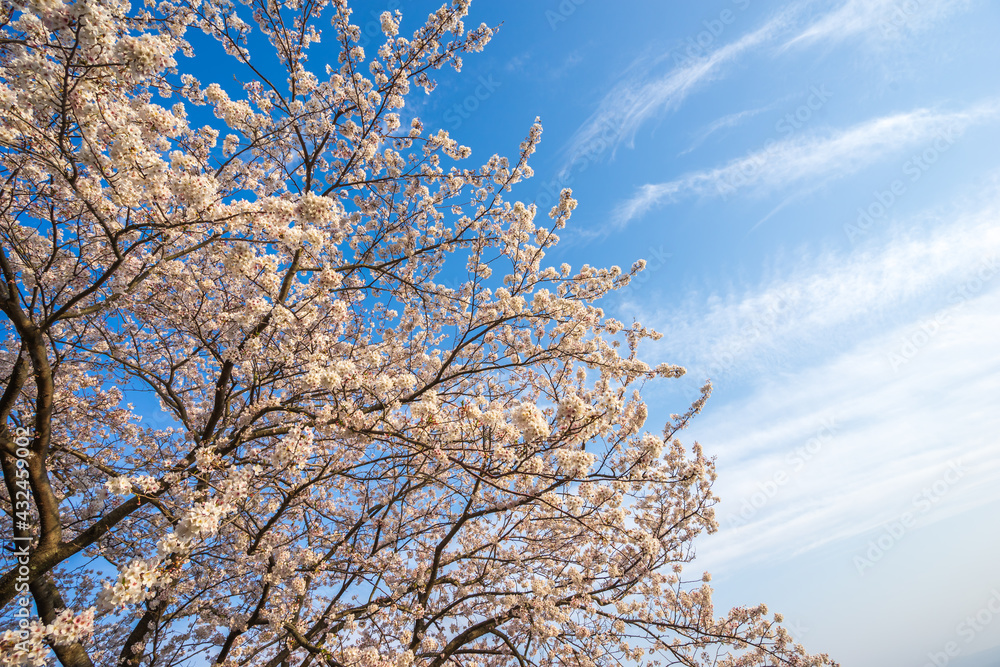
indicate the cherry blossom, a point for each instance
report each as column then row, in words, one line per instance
column 292, row 379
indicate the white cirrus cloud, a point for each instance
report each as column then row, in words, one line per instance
column 880, row 369
column 816, row 157
column 884, row 19
column 833, row 454
column 636, row 100
column 844, row 297
column 725, row 122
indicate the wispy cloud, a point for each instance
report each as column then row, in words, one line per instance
column 727, row 121
column 829, row 348
column 892, row 435
column 884, row 19
column 634, row 101
column 810, row 158
column 846, row 297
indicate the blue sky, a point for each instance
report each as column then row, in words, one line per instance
column 815, row 187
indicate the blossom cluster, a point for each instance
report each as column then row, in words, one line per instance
column 132, row 586
column 575, row 462
column 140, row 577
column 69, row 628
column 293, row 448
column 18, row 650
column 531, row 421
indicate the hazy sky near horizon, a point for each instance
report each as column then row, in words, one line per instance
column 815, row 187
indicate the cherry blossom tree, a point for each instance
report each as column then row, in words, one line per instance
column 393, row 436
